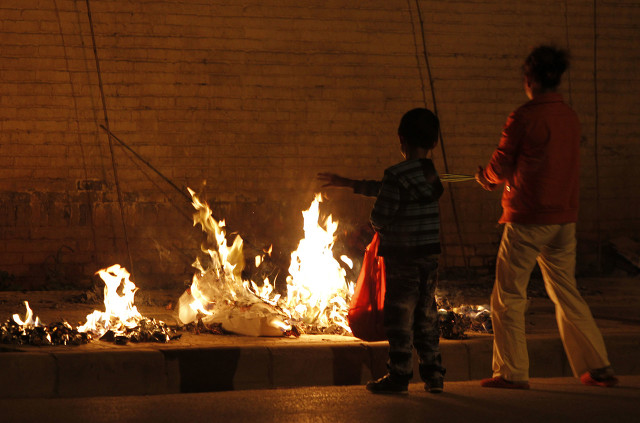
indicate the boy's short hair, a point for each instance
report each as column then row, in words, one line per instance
column 420, row 128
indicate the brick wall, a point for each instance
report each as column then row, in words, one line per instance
column 256, row 97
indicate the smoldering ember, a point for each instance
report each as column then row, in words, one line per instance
column 315, row 300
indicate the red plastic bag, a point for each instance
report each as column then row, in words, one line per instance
column 366, row 310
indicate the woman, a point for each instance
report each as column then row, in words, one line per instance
column 538, row 162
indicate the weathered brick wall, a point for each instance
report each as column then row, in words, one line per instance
column 256, row 97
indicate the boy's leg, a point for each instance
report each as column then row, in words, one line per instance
column 426, row 329
column 516, row 259
column 399, row 304
column 581, row 337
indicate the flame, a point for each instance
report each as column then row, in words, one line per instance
column 120, row 313
column 217, row 288
column 29, row 321
column 346, row 260
column 222, row 279
column 317, row 290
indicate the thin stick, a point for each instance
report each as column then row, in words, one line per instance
column 149, row 165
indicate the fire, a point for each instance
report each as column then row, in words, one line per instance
column 316, row 300
column 32, row 331
column 120, row 314
column 218, row 294
column 317, row 292
column 120, row 322
column 29, row 321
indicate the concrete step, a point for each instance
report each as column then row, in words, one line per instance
column 221, row 362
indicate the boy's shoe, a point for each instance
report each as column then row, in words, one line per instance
column 599, row 377
column 386, row 385
column 434, row 384
column 500, row 382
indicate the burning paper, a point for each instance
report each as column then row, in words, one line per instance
column 317, row 291
column 120, row 313
column 121, row 321
column 218, row 295
column 30, row 331
column 28, row 321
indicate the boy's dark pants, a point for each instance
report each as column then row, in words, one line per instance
column 411, row 317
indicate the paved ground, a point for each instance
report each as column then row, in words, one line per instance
column 549, row 400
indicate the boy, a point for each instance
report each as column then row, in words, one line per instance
column 406, row 216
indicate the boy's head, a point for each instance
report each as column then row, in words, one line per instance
column 419, row 128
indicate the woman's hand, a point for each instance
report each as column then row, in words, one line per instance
column 483, row 181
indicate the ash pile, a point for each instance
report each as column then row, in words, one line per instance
column 60, row 333
column 32, row 331
column 120, row 323
column 146, row 330
column 455, row 322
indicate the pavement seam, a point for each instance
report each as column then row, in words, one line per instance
column 270, row 362
column 56, row 382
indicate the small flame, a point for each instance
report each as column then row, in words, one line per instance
column 120, row 313
column 29, row 321
column 346, row 260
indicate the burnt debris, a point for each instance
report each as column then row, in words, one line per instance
column 456, row 321
column 60, row 333
column 148, row 330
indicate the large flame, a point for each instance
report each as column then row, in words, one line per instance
column 317, row 291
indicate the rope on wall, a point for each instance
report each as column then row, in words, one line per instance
column 595, row 134
column 77, row 124
column 415, row 42
column 106, row 121
column 442, row 146
column 566, row 25
column 596, row 116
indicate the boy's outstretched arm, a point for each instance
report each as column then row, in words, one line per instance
column 333, row 180
column 368, row 188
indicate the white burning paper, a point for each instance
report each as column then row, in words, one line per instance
column 317, row 290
